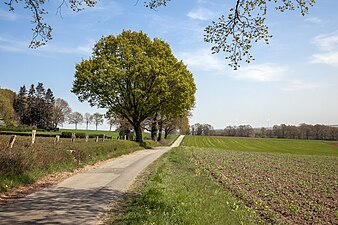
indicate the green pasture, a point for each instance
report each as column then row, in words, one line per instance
column 271, row 145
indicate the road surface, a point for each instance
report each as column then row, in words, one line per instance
column 85, row 197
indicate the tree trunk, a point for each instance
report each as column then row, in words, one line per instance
column 160, row 128
column 153, row 130
column 96, row 126
column 87, row 126
column 138, row 132
column 166, row 133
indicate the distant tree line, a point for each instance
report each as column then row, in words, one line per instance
column 303, row 131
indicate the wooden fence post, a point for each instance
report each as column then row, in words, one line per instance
column 103, row 137
column 11, row 141
column 87, row 137
column 57, row 139
column 97, row 139
column 73, row 137
column 33, row 136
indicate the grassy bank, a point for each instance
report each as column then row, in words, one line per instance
column 25, row 164
column 179, row 192
column 214, row 180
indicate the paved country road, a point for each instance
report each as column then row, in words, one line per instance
column 85, row 197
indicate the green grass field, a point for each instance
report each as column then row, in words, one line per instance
column 293, row 146
column 214, row 180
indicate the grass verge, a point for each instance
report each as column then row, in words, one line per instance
column 177, row 191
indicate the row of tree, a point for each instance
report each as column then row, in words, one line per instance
column 231, row 131
column 37, row 108
column 303, row 131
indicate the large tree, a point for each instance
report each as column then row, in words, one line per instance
column 133, row 77
column 234, row 32
column 75, row 118
column 97, row 119
column 88, row 118
column 61, row 111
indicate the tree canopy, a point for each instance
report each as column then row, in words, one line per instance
column 233, row 33
column 134, row 77
column 6, row 107
column 35, row 107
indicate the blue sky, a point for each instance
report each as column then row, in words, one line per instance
column 293, row 80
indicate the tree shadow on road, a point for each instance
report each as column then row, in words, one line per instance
column 60, row 206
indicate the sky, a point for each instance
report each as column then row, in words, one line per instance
column 293, row 80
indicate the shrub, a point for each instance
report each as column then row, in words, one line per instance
column 25, row 134
column 66, row 134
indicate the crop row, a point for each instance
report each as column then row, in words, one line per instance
column 280, row 188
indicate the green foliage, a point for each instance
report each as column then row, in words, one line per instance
column 6, row 107
column 27, row 134
column 94, row 133
column 134, row 77
column 20, row 129
column 35, row 106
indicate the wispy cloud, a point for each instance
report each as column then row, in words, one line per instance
column 6, row 15
column 203, row 60
column 112, row 7
column 314, row 20
column 201, row 14
column 327, row 42
column 8, row 44
column 300, row 85
column 328, row 47
column 260, row 73
column 329, row 58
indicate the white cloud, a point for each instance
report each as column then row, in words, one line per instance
column 299, row 85
column 328, row 45
column 260, row 73
column 201, row 14
column 314, row 20
column 327, row 42
column 8, row 44
column 203, row 60
column 6, row 15
column 329, row 58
